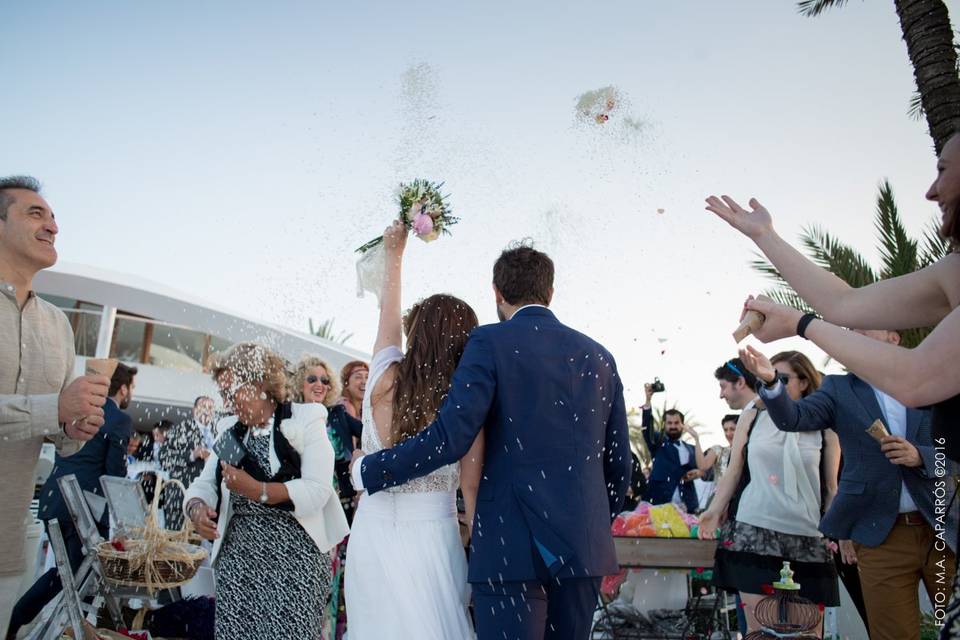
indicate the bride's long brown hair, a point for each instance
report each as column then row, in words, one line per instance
column 437, row 329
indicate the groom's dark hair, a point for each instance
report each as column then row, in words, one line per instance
column 524, row 275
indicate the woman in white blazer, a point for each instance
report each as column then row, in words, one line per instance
column 273, row 515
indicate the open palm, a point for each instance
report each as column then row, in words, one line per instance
column 752, row 224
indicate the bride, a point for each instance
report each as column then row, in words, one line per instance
column 406, row 572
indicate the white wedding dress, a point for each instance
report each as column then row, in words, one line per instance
column 406, row 571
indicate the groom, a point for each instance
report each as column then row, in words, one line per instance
column 557, row 460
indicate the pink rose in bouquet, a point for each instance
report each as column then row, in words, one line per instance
column 422, row 225
column 423, row 209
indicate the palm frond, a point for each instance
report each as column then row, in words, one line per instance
column 915, row 110
column 326, row 331
column 910, row 338
column 813, row 8
column 837, row 258
column 934, row 246
column 897, row 251
column 766, row 268
column 788, row 297
column 783, row 293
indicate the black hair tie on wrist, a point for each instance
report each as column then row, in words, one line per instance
column 804, row 323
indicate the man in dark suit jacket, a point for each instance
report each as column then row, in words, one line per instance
column 105, row 454
column 893, row 496
column 674, row 461
column 185, row 450
column 557, row 459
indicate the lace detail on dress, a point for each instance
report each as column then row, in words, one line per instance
column 443, row 479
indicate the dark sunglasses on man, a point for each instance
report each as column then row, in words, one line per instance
column 312, row 379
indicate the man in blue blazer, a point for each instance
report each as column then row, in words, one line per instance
column 893, row 496
column 105, row 454
column 557, row 460
column 674, row 461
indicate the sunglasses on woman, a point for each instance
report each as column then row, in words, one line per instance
column 312, row 379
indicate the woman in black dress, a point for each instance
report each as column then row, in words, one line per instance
column 267, row 499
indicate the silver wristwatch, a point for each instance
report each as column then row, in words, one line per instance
column 263, row 493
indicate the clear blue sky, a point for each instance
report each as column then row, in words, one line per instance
column 240, row 151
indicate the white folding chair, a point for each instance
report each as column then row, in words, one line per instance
column 88, row 581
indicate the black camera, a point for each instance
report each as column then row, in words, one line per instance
column 656, row 386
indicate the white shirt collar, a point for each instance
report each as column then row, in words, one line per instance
column 527, row 306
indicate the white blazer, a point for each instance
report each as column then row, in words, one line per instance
column 316, row 504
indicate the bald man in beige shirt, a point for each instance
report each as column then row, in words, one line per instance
column 37, row 398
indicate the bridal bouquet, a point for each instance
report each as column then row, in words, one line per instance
column 423, row 209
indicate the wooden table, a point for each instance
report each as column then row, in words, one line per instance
column 670, row 554
column 665, row 553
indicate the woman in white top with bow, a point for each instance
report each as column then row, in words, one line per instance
column 769, row 500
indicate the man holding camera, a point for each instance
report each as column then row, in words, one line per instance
column 674, row 461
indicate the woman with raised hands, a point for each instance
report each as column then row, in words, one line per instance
column 923, row 376
column 926, row 375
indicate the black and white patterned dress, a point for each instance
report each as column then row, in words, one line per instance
column 272, row 581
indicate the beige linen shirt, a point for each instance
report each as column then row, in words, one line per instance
column 36, row 362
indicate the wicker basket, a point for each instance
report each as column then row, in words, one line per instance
column 156, row 559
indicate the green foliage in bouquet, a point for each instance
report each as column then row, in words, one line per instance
column 421, row 197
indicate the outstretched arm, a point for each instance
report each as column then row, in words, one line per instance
column 704, row 461
column 716, row 514
column 916, row 377
column 917, row 299
column 390, row 330
column 816, row 412
column 649, row 437
column 450, row 436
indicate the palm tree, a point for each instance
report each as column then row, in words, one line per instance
column 926, row 30
column 325, row 330
column 899, row 255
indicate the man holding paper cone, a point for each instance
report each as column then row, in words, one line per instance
column 37, row 398
column 886, row 513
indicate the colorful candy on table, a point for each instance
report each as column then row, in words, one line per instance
column 660, row 521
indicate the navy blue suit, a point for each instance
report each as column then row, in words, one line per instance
column 556, row 467
column 667, row 471
column 868, row 498
column 104, row 454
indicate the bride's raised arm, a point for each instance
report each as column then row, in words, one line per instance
column 390, row 330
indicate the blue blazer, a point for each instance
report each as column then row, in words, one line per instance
column 557, row 459
column 104, row 454
column 868, row 499
column 667, row 471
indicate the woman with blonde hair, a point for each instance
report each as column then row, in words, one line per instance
column 313, row 381
column 266, row 499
